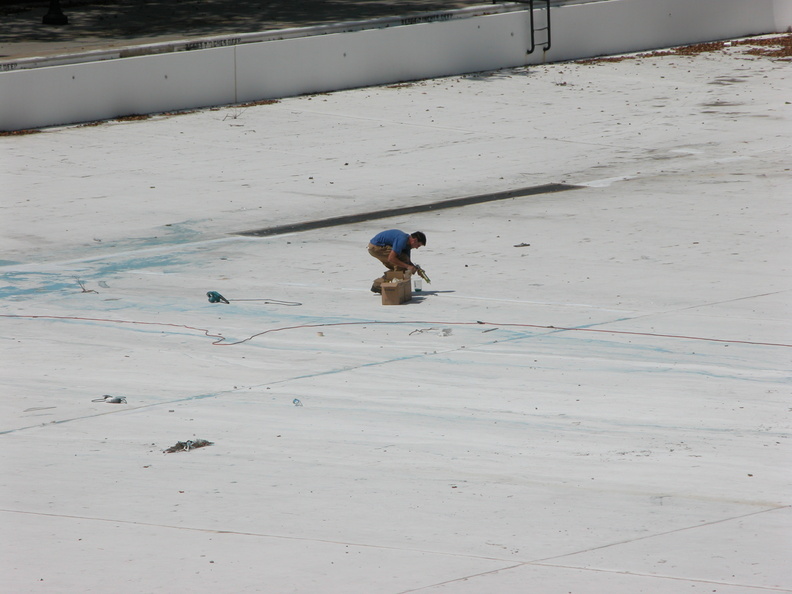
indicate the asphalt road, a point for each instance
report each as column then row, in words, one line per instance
column 100, row 24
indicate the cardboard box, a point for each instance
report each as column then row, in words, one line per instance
column 396, row 292
column 397, row 275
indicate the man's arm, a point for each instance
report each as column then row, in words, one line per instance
column 397, row 262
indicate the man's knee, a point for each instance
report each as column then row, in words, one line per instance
column 381, row 253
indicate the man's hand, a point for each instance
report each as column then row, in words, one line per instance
column 422, row 273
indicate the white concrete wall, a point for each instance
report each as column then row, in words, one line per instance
column 378, row 56
column 783, row 15
column 620, row 26
column 51, row 95
column 102, row 90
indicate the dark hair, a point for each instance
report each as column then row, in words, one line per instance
column 420, row 237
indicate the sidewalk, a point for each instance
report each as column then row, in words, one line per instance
column 116, row 23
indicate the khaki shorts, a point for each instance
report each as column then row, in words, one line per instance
column 381, row 253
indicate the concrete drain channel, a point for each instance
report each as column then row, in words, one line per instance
column 407, row 210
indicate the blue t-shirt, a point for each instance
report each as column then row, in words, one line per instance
column 398, row 240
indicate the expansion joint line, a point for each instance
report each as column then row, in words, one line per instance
column 545, row 562
column 650, row 536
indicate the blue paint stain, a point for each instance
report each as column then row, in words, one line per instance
column 106, row 268
column 172, row 234
column 30, row 284
column 26, row 285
